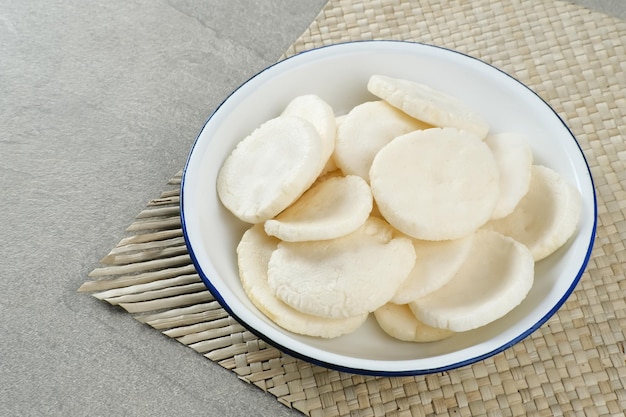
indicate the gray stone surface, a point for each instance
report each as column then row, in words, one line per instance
column 99, row 105
column 615, row 8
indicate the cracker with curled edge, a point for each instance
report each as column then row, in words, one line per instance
column 546, row 217
column 365, row 130
column 427, row 104
column 331, row 208
column 253, row 254
column 343, row 277
column 495, row 277
column 399, row 322
column 436, row 263
column 320, row 114
column 515, row 159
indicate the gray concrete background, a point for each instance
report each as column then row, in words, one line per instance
column 99, row 105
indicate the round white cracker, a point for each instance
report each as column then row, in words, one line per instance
column 399, row 322
column 495, row 277
column 515, row 159
column 330, row 209
column 427, row 104
column 365, row 130
column 435, row 184
column 435, row 264
column 343, row 277
column 253, row 254
column 317, row 111
column 546, row 217
column 270, row 168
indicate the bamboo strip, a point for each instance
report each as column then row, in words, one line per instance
column 151, row 237
column 258, row 356
column 216, row 319
column 162, row 293
column 141, row 266
column 226, row 352
column 151, row 286
column 264, row 374
column 171, row 193
column 165, row 200
column 190, row 319
column 226, row 340
column 144, row 255
column 210, row 334
column 159, row 212
column 178, row 312
column 124, row 281
column 148, row 245
column 170, row 302
column 177, row 178
column 168, row 223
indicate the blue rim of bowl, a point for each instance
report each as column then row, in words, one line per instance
column 218, row 297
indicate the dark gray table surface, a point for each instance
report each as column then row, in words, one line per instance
column 99, row 105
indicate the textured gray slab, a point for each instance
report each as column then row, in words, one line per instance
column 615, row 8
column 99, row 105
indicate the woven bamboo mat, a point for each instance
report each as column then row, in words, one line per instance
column 574, row 365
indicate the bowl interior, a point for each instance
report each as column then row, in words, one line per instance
column 339, row 75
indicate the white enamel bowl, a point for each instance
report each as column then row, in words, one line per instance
column 339, row 75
